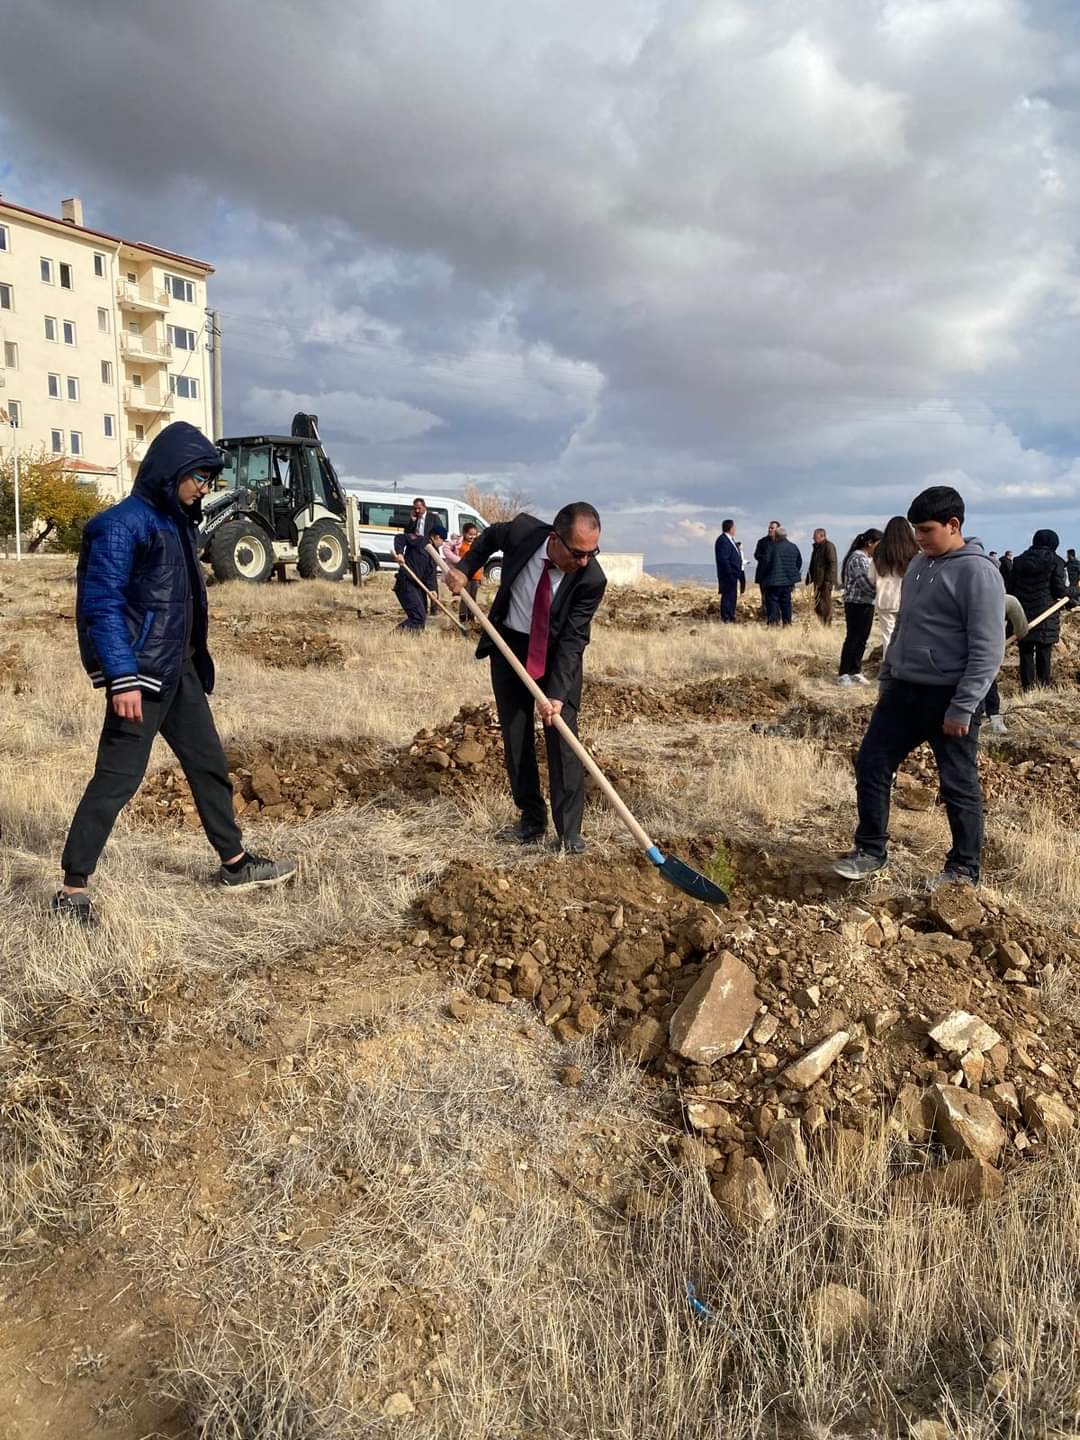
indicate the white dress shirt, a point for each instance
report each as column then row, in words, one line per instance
column 523, row 590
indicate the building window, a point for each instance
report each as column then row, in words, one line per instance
column 7, row 298
column 179, row 288
column 110, row 427
column 76, row 442
column 132, row 278
column 99, row 265
column 65, row 276
column 14, row 410
column 69, row 332
column 140, row 432
column 136, row 380
column 56, row 438
column 73, row 387
column 106, row 372
column 11, row 355
column 46, row 270
column 54, row 387
column 103, row 320
column 5, row 243
column 184, row 386
column 181, row 338
column 50, row 327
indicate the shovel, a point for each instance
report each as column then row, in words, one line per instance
column 675, row 872
column 432, row 596
column 1030, row 624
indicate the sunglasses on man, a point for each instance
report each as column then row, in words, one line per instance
column 577, row 554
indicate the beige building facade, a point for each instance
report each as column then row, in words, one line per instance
column 103, row 342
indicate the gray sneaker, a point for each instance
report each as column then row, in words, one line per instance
column 77, row 909
column 858, row 864
column 996, row 725
column 951, row 877
column 258, row 871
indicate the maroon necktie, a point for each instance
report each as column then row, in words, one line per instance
column 536, row 661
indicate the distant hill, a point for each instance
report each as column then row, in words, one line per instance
column 700, row 573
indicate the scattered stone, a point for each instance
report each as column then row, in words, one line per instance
column 808, row 998
column 707, row 1115
column 956, row 908
column 644, row 1041
column 716, row 1016
column 879, row 1022
column 913, row 1114
column 634, row 956
column 470, row 753
column 396, row 1406
column 786, row 1150
column 836, row 1314
column 958, row 1182
column 960, row 1033
column 557, row 1010
column 807, row 1071
column 528, row 976
column 1013, row 956
column 745, row 1198
column 948, row 947
column 765, row 1030
column 966, row 1125
column 1005, row 1100
column 462, row 1008
column 1048, row 1116
column 571, row 1075
column 973, row 1066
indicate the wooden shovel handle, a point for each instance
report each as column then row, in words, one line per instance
column 1047, row 613
column 613, row 797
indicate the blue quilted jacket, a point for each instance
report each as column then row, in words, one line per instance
column 140, row 583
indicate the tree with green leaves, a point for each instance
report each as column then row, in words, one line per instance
column 53, row 504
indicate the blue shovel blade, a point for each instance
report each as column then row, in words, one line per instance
column 678, row 873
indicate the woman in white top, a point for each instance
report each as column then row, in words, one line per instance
column 891, row 559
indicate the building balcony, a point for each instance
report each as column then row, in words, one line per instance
column 151, row 349
column 140, row 399
column 142, row 299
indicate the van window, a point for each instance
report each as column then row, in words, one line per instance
column 394, row 517
column 465, row 519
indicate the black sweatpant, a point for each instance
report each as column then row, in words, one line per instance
column 183, row 720
column 566, row 774
column 859, row 619
column 1036, row 663
column 905, row 717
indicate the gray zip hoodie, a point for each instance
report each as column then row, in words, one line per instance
column 949, row 630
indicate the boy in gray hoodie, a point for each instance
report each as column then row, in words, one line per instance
column 945, row 653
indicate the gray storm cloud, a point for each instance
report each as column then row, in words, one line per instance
column 688, row 254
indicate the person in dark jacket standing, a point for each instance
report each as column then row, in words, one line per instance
column 823, row 575
column 761, row 551
column 781, row 570
column 729, row 570
column 1072, row 569
column 141, row 617
column 550, row 587
column 1038, row 578
column 1005, row 565
column 858, row 605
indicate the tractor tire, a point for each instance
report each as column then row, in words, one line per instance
column 493, row 572
column 323, row 553
column 369, row 565
column 241, row 550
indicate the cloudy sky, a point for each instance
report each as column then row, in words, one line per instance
column 684, row 258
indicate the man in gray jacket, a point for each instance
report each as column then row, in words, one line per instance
column 945, row 653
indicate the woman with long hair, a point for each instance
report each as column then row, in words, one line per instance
column 858, row 605
column 891, row 559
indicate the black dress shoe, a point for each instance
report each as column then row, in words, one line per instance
column 571, row 845
column 521, row 834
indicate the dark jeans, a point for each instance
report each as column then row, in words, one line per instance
column 859, row 620
column 778, row 604
column 413, row 601
column 182, row 718
column 905, row 717
column 729, row 600
column 1036, row 663
column 992, row 703
column 566, row 775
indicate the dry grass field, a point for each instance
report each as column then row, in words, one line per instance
column 321, row 1163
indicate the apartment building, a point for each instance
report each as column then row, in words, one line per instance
column 103, row 342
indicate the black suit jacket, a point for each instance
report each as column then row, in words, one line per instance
column 572, row 609
column 428, row 519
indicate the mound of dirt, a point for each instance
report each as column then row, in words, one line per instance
column 290, row 645
column 656, row 606
column 740, row 697
column 273, row 782
column 821, row 1014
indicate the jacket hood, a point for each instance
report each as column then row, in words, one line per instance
column 174, row 453
column 1045, row 540
column 970, row 550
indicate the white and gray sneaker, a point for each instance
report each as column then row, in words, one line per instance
column 844, row 681
column 858, row 865
column 859, row 679
column 257, row 871
column 995, row 725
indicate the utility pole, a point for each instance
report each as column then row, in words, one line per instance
column 6, row 418
column 217, row 411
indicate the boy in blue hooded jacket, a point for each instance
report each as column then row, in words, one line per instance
column 142, row 617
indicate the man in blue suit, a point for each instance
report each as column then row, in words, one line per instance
column 729, row 571
column 142, row 617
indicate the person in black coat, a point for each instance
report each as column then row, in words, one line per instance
column 729, row 570
column 1037, row 579
column 550, row 587
column 778, row 573
column 411, row 549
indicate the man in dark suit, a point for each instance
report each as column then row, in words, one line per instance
column 420, row 523
column 729, row 570
column 550, row 587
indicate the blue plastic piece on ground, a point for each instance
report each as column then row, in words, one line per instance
column 700, row 1310
column 655, row 854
